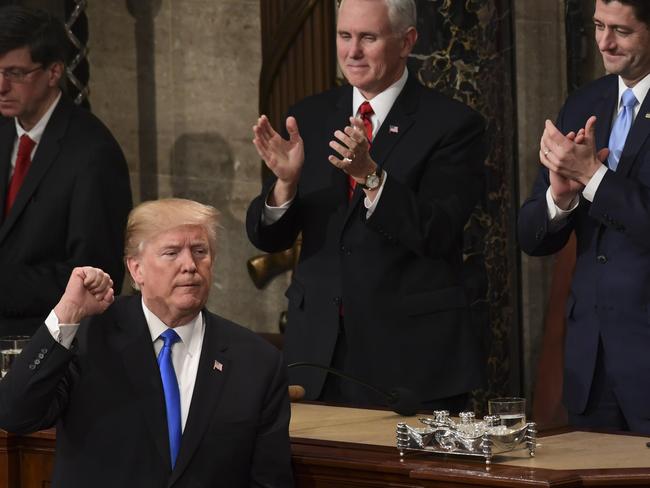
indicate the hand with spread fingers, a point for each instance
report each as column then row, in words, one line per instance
column 353, row 147
column 284, row 158
column 571, row 159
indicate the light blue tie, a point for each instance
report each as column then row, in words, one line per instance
column 172, row 394
column 620, row 128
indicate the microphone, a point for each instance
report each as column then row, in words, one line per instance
column 400, row 400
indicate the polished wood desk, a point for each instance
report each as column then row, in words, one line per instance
column 336, row 447
column 345, row 447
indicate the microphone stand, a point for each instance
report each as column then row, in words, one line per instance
column 400, row 400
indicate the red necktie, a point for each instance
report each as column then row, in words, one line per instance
column 365, row 111
column 23, row 162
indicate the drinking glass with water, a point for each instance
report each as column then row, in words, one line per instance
column 511, row 410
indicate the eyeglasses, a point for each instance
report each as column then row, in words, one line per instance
column 17, row 75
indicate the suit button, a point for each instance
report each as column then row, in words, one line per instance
column 337, row 301
column 32, row 367
column 602, row 259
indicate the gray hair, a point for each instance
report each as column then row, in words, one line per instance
column 402, row 15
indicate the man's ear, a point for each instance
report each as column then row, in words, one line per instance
column 55, row 73
column 408, row 41
column 136, row 271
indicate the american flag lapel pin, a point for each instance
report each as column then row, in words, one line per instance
column 393, row 129
column 217, row 365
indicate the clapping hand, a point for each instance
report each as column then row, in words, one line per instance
column 284, row 158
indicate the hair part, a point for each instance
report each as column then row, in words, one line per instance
column 641, row 9
column 39, row 31
column 149, row 219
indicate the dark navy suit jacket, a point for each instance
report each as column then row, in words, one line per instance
column 398, row 274
column 71, row 211
column 610, row 292
column 105, row 397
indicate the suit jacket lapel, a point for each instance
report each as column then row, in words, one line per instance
column 46, row 153
column 604, row 112
column 7, row 140
column 210, row 379
column 337, row 120
column 635, row 138
column 144, row 376
column 400, row 118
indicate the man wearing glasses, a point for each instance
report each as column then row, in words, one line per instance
column 64, row 182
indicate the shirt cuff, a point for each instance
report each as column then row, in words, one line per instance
column 270, row 215
column 555, row 213
column 62, row 333
column 372, row 205
column 590, row 189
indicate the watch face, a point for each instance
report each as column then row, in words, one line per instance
column 372, row 181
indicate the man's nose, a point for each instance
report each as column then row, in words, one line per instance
column 4, row 83
column 606, row 40
column 187, row 261
column 356, row 51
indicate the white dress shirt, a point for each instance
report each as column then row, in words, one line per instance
column 381, row 105
column 185, row 353
column 556, row 215
column 34, row 134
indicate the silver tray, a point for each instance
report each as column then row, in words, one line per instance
column 468, row 437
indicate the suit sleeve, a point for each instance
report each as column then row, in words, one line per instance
column 535, row 235
column 429, row 218
column 35, row 391
column 278, row 236
column 98, row 205
column 271, row 462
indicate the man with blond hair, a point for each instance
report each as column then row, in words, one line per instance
column 153, row 390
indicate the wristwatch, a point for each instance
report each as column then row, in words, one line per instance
column 373, row 180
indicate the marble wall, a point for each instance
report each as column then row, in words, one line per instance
column 176, row 81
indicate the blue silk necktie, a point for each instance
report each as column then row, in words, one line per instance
column 621, row 128
column 172, row 393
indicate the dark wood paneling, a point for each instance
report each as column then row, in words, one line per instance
column 297, row 53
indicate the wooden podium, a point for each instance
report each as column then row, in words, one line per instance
column 337, row 447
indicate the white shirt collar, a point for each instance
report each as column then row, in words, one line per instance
column 189, row 333
column 640, row 91
column 382, row 103
column 36, row 132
